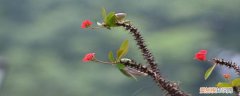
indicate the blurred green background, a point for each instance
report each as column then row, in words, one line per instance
column 43, row 45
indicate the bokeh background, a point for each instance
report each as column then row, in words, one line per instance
column 42, row 45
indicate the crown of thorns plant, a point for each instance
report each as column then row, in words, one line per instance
column 133, row 69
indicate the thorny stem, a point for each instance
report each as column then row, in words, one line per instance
column 141, row 45
column 228, row 64
column 139, row 67
column 171, row 88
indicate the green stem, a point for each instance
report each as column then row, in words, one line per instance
column 104, row 62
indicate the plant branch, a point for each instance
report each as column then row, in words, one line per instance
column 141, row 45
column 228, row 64
column 171, row 87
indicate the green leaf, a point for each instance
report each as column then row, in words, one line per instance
column 119, row 52
column 104, row 13
column 125, row 72
column 120, row 66
column 122, row 51
column 223, row 84
column 236, row 82
column 110, row 19
column 209, row 72
column 124, row 45
column 110, row 56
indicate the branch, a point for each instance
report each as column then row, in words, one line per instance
column 228, row 64
column 141, row 45
column 171, row 87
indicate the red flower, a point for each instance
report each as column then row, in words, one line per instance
column 86, row 24
column 201, row 55
column 227, row 76
column 88, row 57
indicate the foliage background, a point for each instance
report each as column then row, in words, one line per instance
column 43, row 44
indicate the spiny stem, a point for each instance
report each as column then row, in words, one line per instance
column 170, row 87
column 141, row 45
column 228, row 64
column 139, row 67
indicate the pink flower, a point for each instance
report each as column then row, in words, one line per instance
column 86, row 24
column 88, row 57
column 201, row 55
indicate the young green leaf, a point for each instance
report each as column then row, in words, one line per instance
column 111, row 57
column 124, row 72
column 120, row 66
column 223, row 84
column 236, row 82
column 124, row 45
column 104, row 13
column 110, row 19
column 209, row 72
column 122, row 51
column 119, row 52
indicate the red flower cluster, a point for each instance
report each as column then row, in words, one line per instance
column 86, row 24
column 201, row 55
column 88, row 57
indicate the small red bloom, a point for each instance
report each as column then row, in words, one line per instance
column 86, row 24
column 88, row 57
column 201, row 55
column 227, row 76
